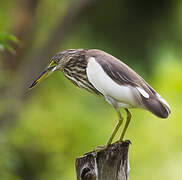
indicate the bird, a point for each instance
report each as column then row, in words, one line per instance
column 106, row 76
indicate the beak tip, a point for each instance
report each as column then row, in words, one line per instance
column 42, row 76
column 32, row 85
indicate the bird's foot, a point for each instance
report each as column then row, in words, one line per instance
column 100, row 148
column 126, row 140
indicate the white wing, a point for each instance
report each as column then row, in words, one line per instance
column 108, row 87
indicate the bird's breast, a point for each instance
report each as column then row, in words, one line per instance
column 77, row 75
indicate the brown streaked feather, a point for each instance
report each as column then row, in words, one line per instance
column 75, row 70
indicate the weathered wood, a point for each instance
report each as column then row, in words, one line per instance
column 108, row 164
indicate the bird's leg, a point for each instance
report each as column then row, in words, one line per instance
column 116, row 127
column 126, row 124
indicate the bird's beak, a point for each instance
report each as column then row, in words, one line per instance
column 50, row 68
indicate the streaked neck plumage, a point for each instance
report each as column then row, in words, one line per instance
column 73, row 65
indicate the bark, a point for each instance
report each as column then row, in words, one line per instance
column 111, row 163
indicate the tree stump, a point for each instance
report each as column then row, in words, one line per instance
column 108, row 164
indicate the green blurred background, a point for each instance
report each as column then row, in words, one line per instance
column 42, row 131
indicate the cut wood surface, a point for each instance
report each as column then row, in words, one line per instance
column 108, row 164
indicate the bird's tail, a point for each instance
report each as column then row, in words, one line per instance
column 158, row 106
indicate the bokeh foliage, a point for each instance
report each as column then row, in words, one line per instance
column 53, row 124
column 5, row 40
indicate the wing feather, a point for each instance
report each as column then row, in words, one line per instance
column 123, row 75
column 119, row 71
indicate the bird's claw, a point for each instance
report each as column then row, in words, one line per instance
column 127, row 141
column 124, row 140
column 99, row 148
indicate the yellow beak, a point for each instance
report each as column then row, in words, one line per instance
column 42, row 76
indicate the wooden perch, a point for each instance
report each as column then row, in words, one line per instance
column 108, row 164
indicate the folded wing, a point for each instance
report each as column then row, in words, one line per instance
column 112, row 77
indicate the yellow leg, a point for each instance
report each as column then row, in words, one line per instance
column 116, row 128
column 126, row 124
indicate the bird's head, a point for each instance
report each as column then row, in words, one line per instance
column 56, row 63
